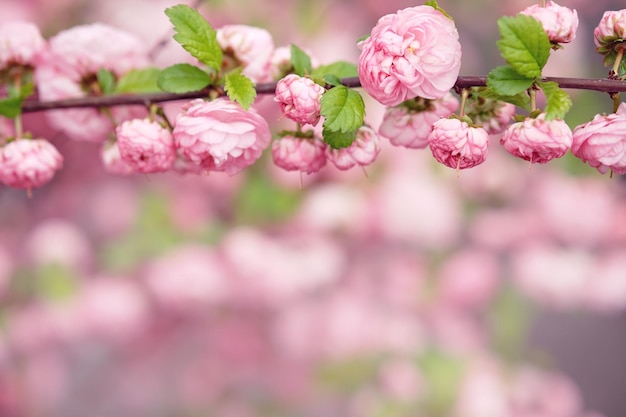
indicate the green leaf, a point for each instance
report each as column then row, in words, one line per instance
column 434, row 5
column 505, row 81
column 331, row 79
column 139, row 81
column 11, row 107
column 240, row 89
column 183, row 78
column 520, row 100
column 343, row 109
column 558, row 101
column 106, row 80
column 524, row 44
column 340, row 69
column 338, row 139
column 195, row 35
column 300, row 60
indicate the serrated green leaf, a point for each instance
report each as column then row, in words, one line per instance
column 340, row 69
column 139, row 81
column 301, row 61
column 558, row 101
column 106, row 80
column 524, row 44
column 338, row 140
column 11, row 107
column 520, row 100
column 183, row 78
column 343, row 109
column 331, row 79
column 195, row 35
column 504, row 80
column 240, row 89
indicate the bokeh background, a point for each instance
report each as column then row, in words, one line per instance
column 412, row 291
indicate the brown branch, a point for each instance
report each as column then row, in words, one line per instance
column 601, row 85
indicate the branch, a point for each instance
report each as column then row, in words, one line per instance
column 601, row 85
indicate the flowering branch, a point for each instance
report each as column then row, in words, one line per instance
column 30, row 106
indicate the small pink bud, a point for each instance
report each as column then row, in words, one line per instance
column 457, row 145
column 537, row 140
column 299, row 154
column 559, row 22
column 612, row 27
column 28, row 163
column 299, row 99
column 363, row 150
column 250, row 47
column 410, row 128
column 145, row 145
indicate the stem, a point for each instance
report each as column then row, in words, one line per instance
column 542, row 3
column 533, row 99
column 594, row 84
column 616, row 101
column 464, row 95
column 618, row 61
column 17, row 122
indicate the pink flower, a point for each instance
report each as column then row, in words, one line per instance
column 559, row 22
column 498, row 119
column 414, row 52
column 612, row 27
column 299, row 154
column 220, row 135
column 457, row 145
column 409, row 127
column 601, row 142
column 363, row 150
column 537, row 140
column 250, row 47
column 145, row 145
column 299, row 99
column 68, row 68
column 20, row 44
column 112, row 160
column 28, row 163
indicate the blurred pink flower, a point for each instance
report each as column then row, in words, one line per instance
column 612, row 27
column 501, row 118
column 402, row 379
column 306, row 155
column 601, row 142
column 412, row 53
column 68, row 69
column 537, row 140
column 250, row 47
column 220, row 135
column 28, row 163
column 280, row 62
column 6, row 129
column 145, row 145
column 404, row 126
column 606, row 291
column 20, row 44
column 112, row 159
column 188, row 278
column 559, row 22
column 468, row 279
column 457, row 145
column 299, row 99
column 535, row 392
column 363, row 151
column 482, row 391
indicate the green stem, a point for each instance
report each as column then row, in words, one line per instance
column 464, row 96
column 533, row 99
column 616, row 101
column 618, row 61
column 17, row 122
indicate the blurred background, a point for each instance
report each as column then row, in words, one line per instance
column 407, row 292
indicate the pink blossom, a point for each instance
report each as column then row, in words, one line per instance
column 559, row 22
column 457, row 145
column 606, row 291
column 220, row 135
column 500, row 118
column 363, row 151
column 537, row 140
column 612, row 27
column 299, row 99
column 412, row 53
column 601, row 142
column 299, row 154
column 68, row 68
column 20, row 44
column 112, row 160
column 408, row 127
column 250, row 47
column 146, row 145
column 29, row 163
